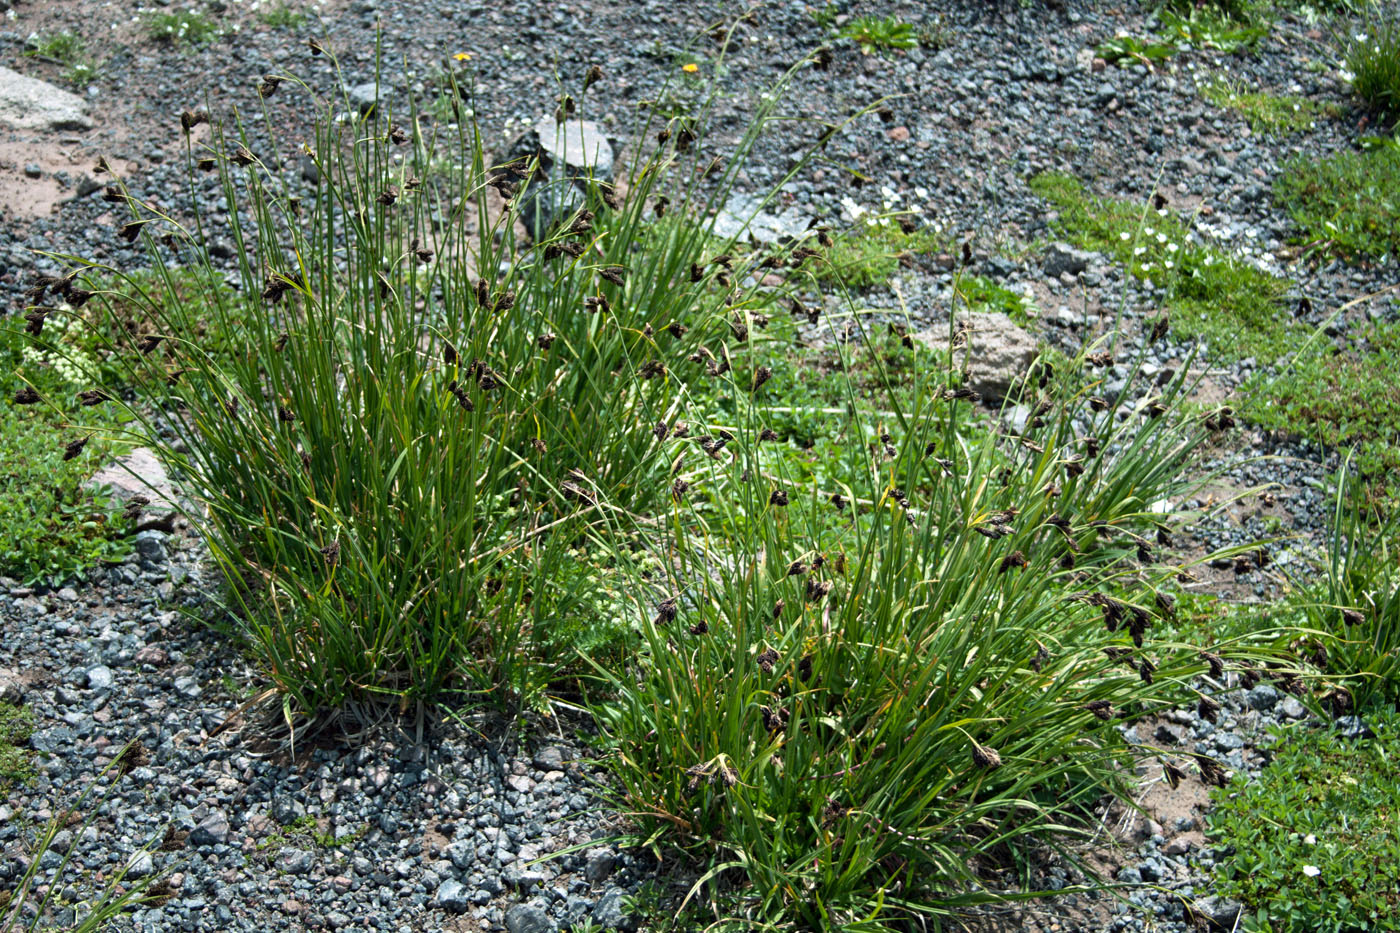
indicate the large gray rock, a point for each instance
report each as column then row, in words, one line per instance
column 570, row 154
column 363, row 96
column 741, row 215
column 1061, row 258
column 30, row 104
column 213, row 830
column 138, row 473
column 1219, row 913
column 579, row 146
column 996, row 352
column 453, row 895
column 547, row 202
column 527, row 918
column 609, row 912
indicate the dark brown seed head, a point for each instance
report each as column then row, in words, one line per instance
column 778, row 497
column 34, row 320
column 1013, row 560
column 1102, row 709
column 449, row 354
column 1211, row 772
column 612, row 274
column 1353, row 617
column 773, row 720
column 331, row 552
column 74, row 447
column 1216, row 664
column 767, row 434
column 243, row 156
column 149, row 342
column 206, row 164
column 666, row 610
column 680, row 429
column 796, row 569
column 1097, row 403
column 389, row 195
column 129, row 231
column 545, row 341
column 592, row 76
column 839, row 501
column 285, row 414
column 699, row 628
column 817, row 590
column 90, row 397
column 985, row 757
column 761, row 375
column 315, row 46
column 679, row 489
column 778, row 608
column 398, row 136
column 767, row 660
column 1160, row 327
column 280, row 343
column 192, row 118
column 269, row 85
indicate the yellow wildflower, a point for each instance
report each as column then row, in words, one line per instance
column 690, row 68
column 463, row 56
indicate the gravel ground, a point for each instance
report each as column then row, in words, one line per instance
column 402, row 834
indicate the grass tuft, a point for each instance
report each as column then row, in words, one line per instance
column 283, row 16
column 1266, row 113
column 187, row 28
column 880, row 34
column 1374, row 62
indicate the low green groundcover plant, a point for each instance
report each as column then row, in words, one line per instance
column 1266, row 113
column 16, row 725
column 870, row 253
column 1313, row 842
column 1209, row 293
column 1349, row 203
column 51, row 525
column 1344, row 396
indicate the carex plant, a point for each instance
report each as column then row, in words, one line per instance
column 1355, row 609
column 417, row 411
column 857, row 733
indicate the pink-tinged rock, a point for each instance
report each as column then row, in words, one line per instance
column 153, row 655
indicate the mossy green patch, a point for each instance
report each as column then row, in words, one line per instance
column 870, row 253
column 978, row 293
column 16, row 726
